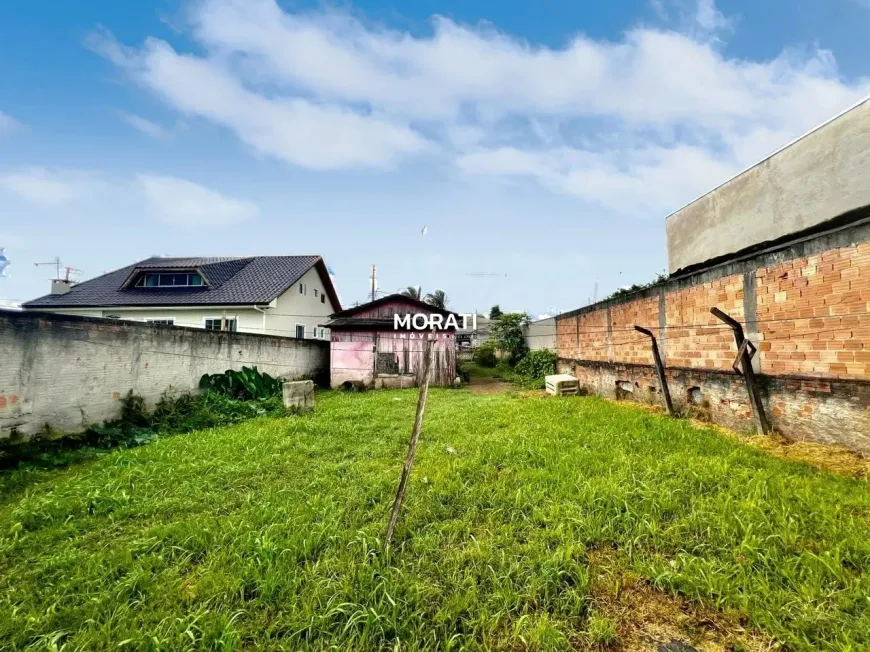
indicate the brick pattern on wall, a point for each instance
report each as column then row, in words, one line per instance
column 628, row 344
column 813, row 314
column 689, row 343
column 812, row 318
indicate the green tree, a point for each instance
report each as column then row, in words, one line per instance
column 507, row 332
column 438, row 299
column 495, row 312
column 412, row 291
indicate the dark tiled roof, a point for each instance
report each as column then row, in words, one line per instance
column 231, row 281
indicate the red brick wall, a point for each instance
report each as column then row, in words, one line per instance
column 628, row 344
column 687, row 313
column 812, row 319
column 813, row 314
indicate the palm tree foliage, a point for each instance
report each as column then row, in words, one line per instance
column 438, row 299
column 412, row 291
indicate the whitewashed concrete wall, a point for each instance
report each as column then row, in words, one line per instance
column 819, row 177
column 69, row 371
column 541, row 334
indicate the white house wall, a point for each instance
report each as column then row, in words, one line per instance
column 290, row 309
column 293, row 308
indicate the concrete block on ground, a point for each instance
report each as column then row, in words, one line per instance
column 299, row 394
column 562, row 385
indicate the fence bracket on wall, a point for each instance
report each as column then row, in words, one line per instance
column 745, row 352
column 660, row 369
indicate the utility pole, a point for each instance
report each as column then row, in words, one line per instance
column 374, row 282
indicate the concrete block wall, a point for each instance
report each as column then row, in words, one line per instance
column 68, row 372
column 806, row 306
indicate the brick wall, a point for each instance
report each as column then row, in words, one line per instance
column 69, row 372
column 813, row 313
column 806, row 306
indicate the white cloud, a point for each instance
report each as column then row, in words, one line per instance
column 183, row 203
column 291, row 128
column 40, row 185
column 8, row 124
column 638, row 125
column 147, row 127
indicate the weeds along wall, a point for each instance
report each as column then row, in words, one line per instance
column 67, row 372
column 805, row 305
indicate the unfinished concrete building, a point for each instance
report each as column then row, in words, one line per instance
column 783, row 248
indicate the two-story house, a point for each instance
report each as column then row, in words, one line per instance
column 288, row 296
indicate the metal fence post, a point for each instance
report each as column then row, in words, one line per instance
column 660, row 369
column 745, row 351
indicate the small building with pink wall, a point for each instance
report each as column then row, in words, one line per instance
column 366, row 348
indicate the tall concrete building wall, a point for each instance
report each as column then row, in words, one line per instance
column 818, row 178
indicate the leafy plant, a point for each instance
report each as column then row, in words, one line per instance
column 507, row 332
column 485, row 354
column 245, row 384
column 537, row 364
column 495, row 312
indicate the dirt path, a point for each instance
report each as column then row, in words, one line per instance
column 487, row 385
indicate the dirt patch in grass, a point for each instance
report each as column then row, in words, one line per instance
column 645, row 619
column 488, row 385
column 830, row 457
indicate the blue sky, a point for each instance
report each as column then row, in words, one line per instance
column 540, row 143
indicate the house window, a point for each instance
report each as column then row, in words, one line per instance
column 315, row 292
column 300, row 331
column 161, row 322
column 214, row 324
column 303, row 289
column 169, row 279
column 322, row 298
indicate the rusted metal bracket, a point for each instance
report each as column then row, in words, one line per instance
column 745, row 352
column 660, row 369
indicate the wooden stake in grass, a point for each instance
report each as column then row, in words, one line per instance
column 415, row 436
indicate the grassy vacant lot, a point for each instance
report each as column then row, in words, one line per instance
column 530, row 523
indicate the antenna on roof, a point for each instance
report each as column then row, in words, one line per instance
column 57, row 266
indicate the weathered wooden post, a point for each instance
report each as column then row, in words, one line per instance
column 412, row 446
column 745, row 351
column 660, row 368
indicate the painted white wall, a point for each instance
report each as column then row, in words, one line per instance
column 281, row 318
column 293, row 308
column 541, row 334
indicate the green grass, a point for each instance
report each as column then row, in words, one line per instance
column 268, row 533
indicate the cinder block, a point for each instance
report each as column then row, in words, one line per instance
column 299, row 394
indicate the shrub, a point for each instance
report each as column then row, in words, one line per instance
column 485, row 355
column 537, row 364
column 507, row 332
